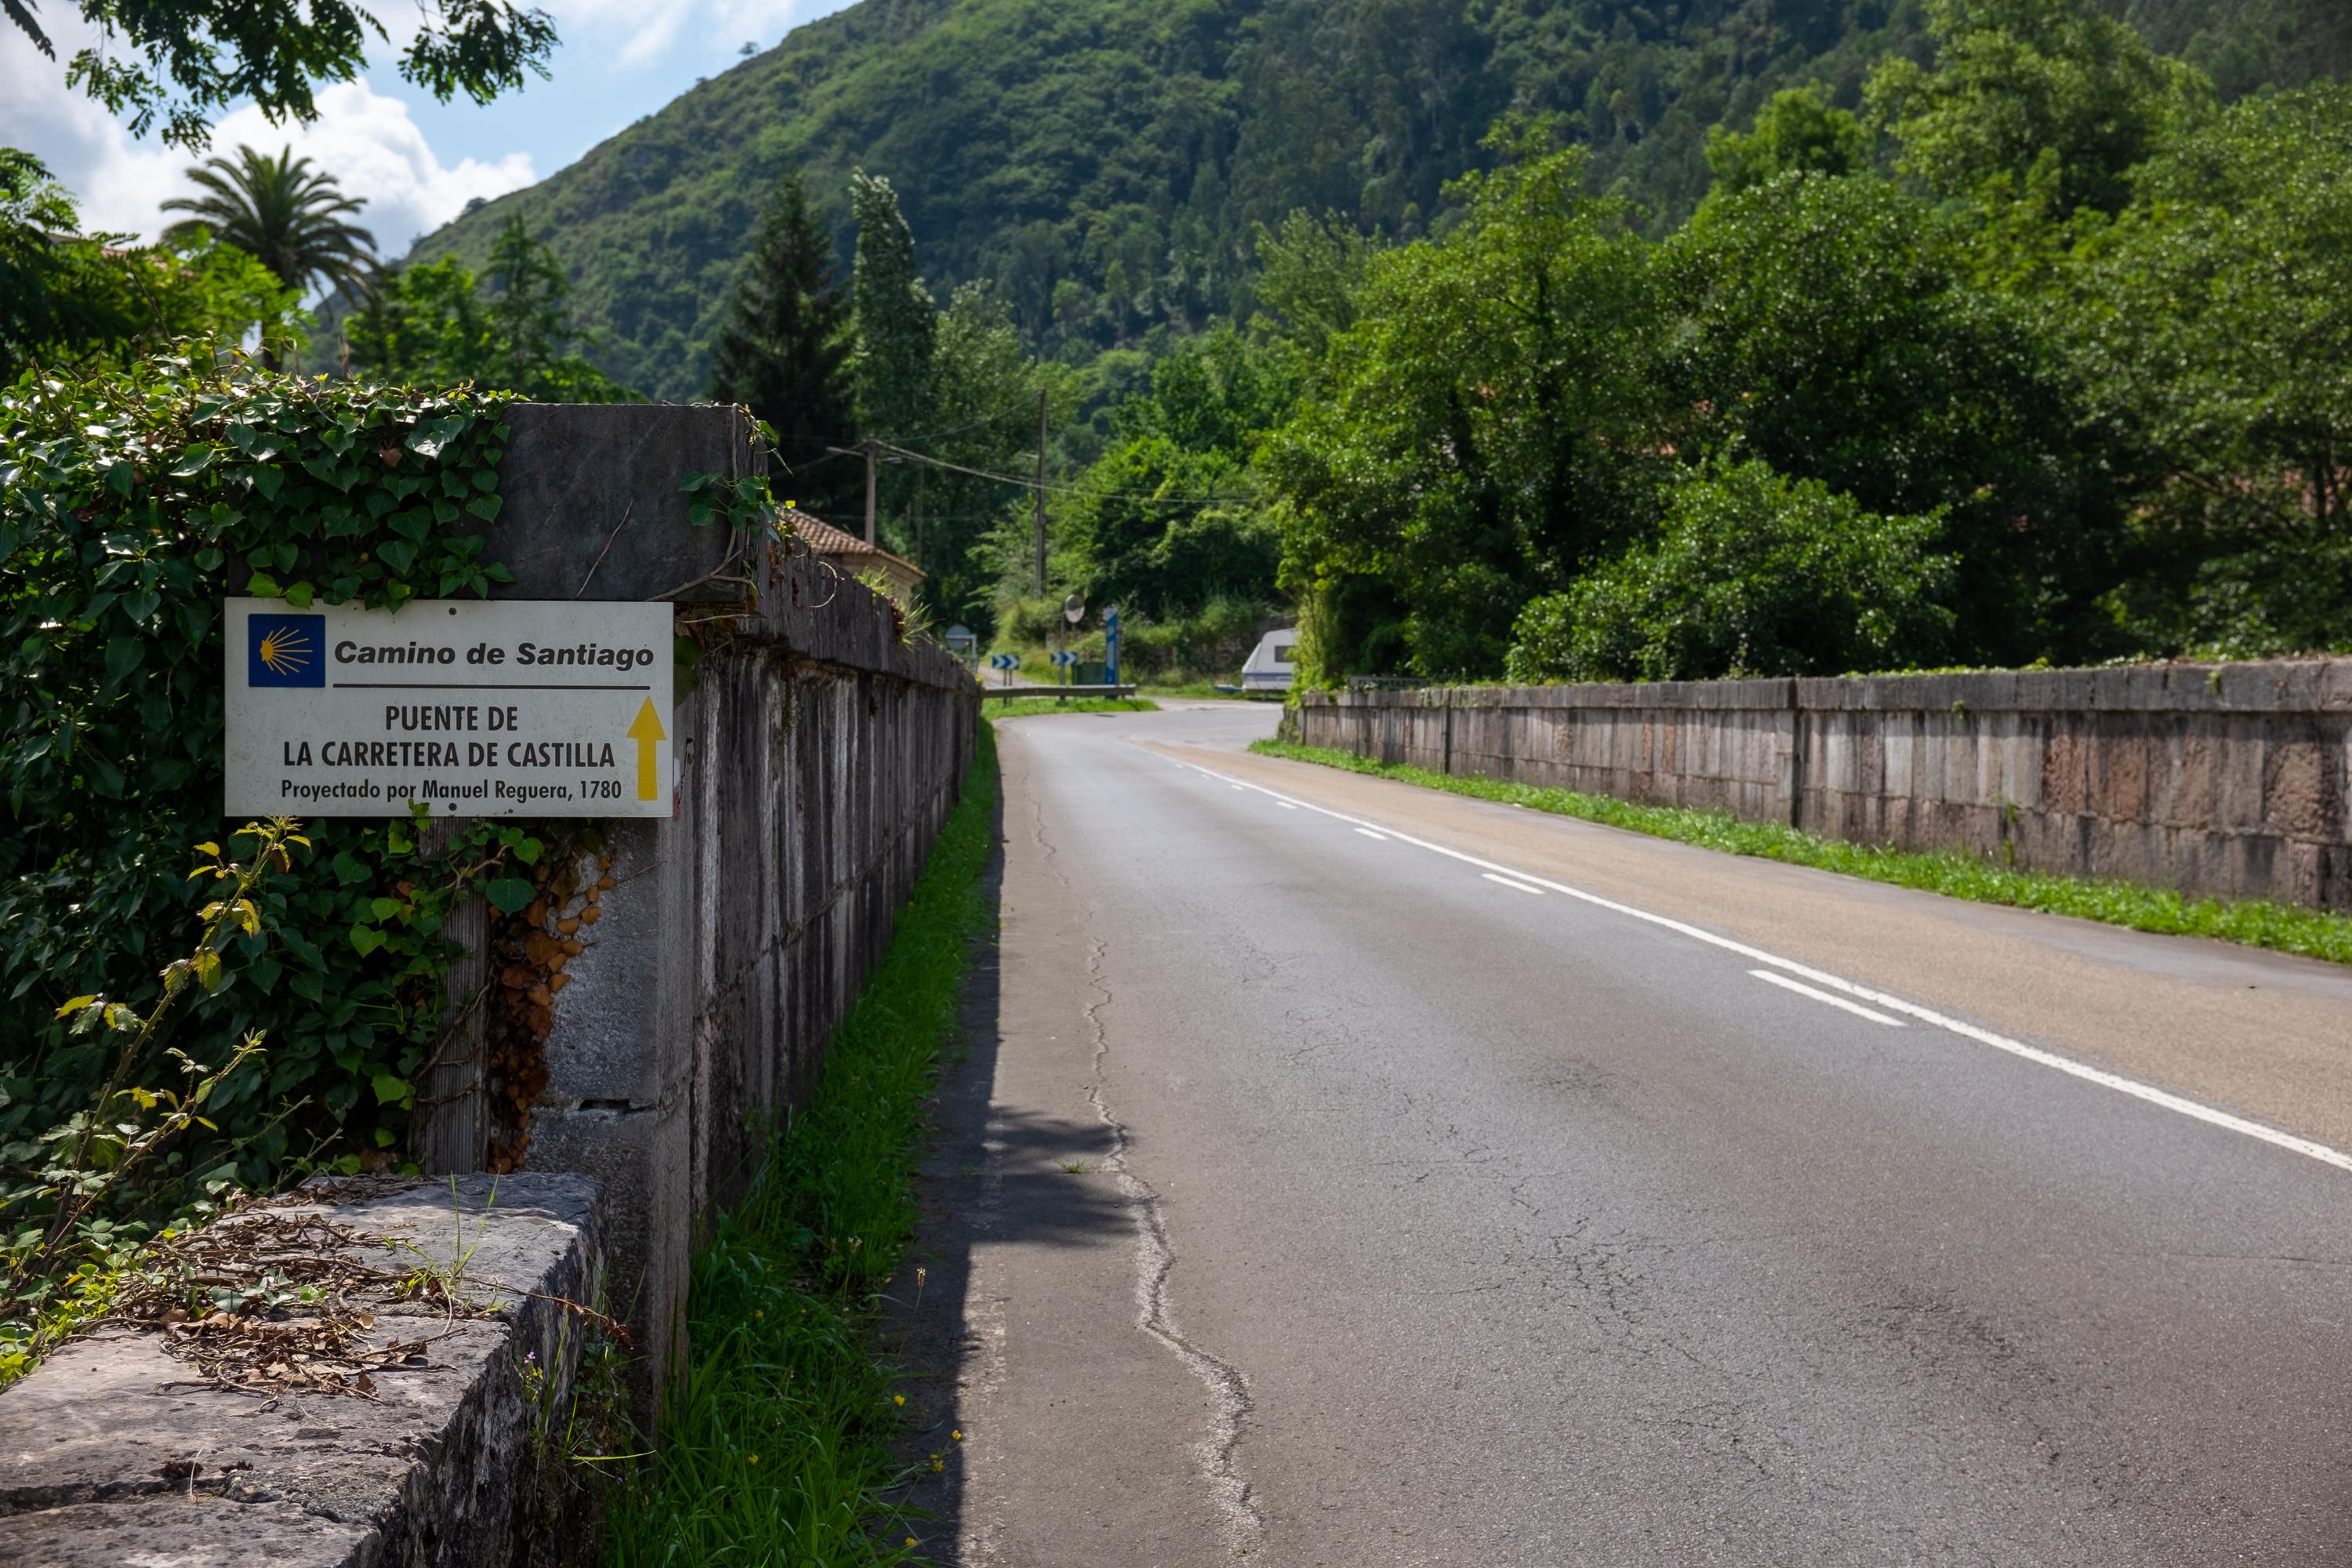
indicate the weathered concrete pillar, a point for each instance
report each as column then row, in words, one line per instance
column 719, row 947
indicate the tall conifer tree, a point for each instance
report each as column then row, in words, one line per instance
column 898, row 321
column 898, row 339
column 784, row 353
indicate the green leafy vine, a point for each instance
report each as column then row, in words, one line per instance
column 131, row 503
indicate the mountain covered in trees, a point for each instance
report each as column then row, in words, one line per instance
column 1105, row 164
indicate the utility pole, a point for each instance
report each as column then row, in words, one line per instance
column 1041, row 492
column 872, row 446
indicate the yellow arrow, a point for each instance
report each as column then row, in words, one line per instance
column 645, row 730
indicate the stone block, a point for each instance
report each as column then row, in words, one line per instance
column 2294, row 793
column 2119, row 770
column 110, row 1453
column 2238, row 775
column 577, row 478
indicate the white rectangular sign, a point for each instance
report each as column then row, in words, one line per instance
column 522, row 708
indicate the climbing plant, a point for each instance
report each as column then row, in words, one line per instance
column 131, row 503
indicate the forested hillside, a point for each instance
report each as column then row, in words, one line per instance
column 1104, row 162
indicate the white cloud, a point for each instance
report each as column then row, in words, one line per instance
column 619, row 60
column 365, row 139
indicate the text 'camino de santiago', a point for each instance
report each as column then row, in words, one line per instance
column 459, row 721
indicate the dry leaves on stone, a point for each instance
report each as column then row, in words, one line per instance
column 275, row 1303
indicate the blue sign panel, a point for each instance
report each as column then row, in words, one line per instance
column 286, row 650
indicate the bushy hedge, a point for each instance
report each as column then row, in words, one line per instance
column 131, row 504
column 1751, row 573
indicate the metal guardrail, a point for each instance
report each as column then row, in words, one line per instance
column 987, row 691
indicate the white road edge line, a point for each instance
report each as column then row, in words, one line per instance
column 1515, row 887
column 1801, row 989
column 2180, row 1104
column 1369, row 833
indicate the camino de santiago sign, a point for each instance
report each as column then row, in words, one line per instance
column 522, row 708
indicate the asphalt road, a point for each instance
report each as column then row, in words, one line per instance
column 1345, row 1174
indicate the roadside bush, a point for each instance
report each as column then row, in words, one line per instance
column 131, row 503
column 1750, row 573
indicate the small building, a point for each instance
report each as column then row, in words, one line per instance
column 853, row 557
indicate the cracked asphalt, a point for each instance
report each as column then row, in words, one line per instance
column 1307, row 1196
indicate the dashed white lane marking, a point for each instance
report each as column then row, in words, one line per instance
column 1515, row 887
column 1286, row 806
column 2178, row 1104
column 1369, row 833
column 1801, row 989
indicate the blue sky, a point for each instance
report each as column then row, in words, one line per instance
column 416, row 161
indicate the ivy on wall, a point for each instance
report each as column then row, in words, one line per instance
column 131, row 503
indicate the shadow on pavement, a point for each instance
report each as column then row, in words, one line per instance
column 982, row 1178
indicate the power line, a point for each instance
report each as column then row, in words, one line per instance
column 1004, row 412
column 1139, row 497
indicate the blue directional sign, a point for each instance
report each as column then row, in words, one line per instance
column 1004, row 661
column 1064, row 655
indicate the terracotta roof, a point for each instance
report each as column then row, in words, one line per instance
column 826, row 540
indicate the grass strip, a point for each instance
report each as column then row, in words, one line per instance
column 2253, row 923
column 777, row 1437
column 1201, row 690
column 1020, row 707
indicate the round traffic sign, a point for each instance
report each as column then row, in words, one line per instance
column 1074, row 609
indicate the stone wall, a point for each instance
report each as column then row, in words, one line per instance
column 2224, row 779
column 115, row 1450
column 817, row 755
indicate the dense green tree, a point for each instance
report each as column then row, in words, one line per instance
column 982, row 404
column 438, row 325
column 1107, row 163
column 1493, row 423
column 2015, row 82
column 785, row 351
column 533, row 346
column 191, row 287
column 1170, row 520
column 2214, row 325
column 424, row 325
column 1162, row 531
column 187, row 59
column 1749, row 573
column 67, row 298
column 59, row 296
column 897, row 339
column 1798, row 132
column 1830, row 327
column 293, row 219
column 1309, row 271
column 898, row 321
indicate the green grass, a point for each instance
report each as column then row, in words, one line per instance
column 2253, row 923
column 1021, row 706
column 777, row 1438
column 1192, row 689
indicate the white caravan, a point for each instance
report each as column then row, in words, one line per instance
column 1270, row 670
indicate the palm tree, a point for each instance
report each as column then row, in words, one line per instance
column 288, row 216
